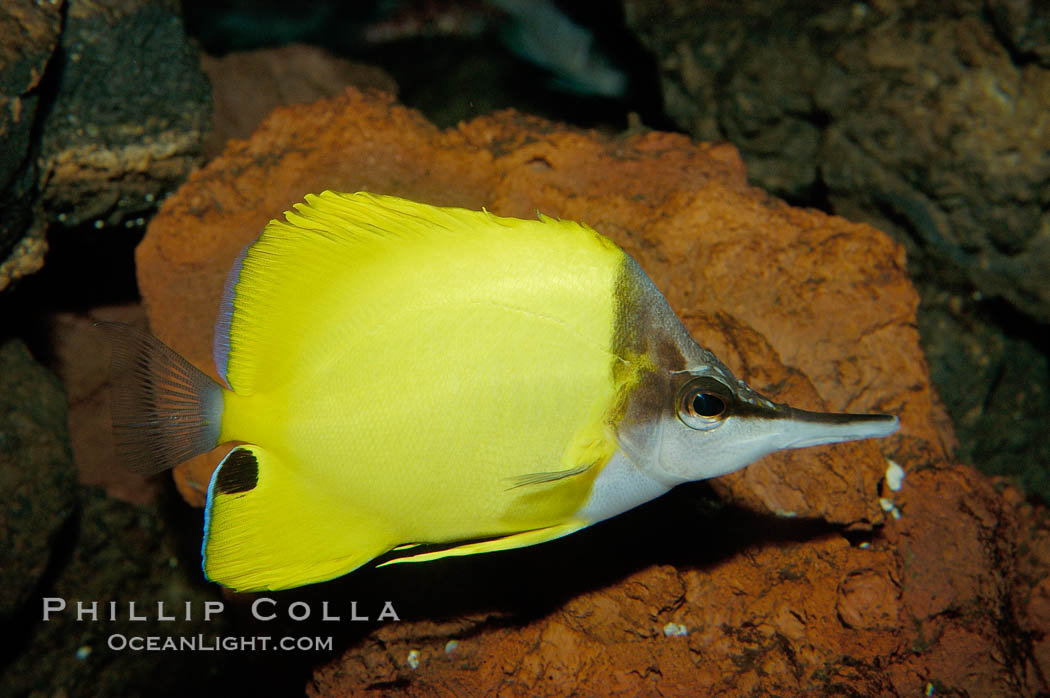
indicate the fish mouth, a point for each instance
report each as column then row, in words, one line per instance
column 802, row 428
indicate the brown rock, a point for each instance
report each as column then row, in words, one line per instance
column 868, row 600
column 673, row 598
column 248, row 85
column 82, row 360
column 27, row 255
column 673, row 205
column 930, row 121
column 1031, row 555
column 30, row 35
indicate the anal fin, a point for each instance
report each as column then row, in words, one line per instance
column 514, row 540
column 267, row 526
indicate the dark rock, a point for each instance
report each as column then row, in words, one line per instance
column 37, row 477
column 915, row 117
column 30, row 34
column 130, row 112
column 1025, row 25
column 122, row 553
column 248, row 85
column 996, row 386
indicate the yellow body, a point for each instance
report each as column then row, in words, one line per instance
column 400, row 371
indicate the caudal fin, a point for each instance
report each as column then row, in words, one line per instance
column 268, row 526
column 164, row 409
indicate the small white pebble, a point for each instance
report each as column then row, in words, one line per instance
column 83, row 652
column 413, row 659
column 99, row 224
column 886, row 504
column 149, row 198
column 140, row 222
column 894, row 475
column 675, row 630
column 896, row 514
column 451, row 646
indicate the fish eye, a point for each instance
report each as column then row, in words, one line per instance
column 703, row 403
column 707, row 405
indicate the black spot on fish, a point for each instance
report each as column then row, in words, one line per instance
column 238, row 473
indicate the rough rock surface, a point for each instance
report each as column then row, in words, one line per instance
column 689, row 594
column 30, row 31
column 121, row 553
column 248, row 85
column 675, row 207
column 913, row 116
column 37, row 478
column 82, row 362
column 1025, row 27
column 130, row 112
column 996, row 387
column 932, row 122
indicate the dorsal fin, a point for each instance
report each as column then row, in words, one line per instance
column 304, row 271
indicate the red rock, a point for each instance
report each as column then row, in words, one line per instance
column 868, row 600
column 82, row 360
column 672, row 204
column 809, row 308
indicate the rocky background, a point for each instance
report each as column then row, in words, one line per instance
column 929, row 120
column 807, row 572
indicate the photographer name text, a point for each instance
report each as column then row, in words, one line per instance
column 263, row 609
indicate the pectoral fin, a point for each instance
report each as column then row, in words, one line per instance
column 540, row 478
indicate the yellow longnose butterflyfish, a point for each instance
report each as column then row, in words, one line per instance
column 399, row 374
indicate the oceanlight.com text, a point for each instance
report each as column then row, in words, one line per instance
column 216, row 643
